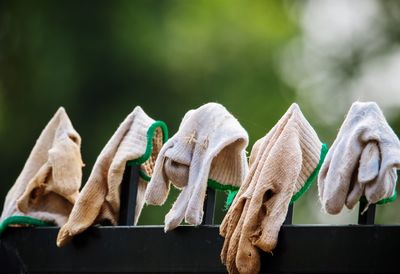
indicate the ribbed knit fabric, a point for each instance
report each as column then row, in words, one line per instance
column 49, row 183
column 280, row 164
column 100, row 197
column 210, row 144
column 362, row 161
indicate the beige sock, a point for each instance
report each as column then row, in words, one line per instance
column 288, row 155
column 368, row 172
column 363, row 160
column 49, row 183
column 138, row 138
column 210, row 144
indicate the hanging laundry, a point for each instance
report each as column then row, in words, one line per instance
column 48, row 186
column 139, row 139
column 362, row 161
column 208, row 150
column 283, row 164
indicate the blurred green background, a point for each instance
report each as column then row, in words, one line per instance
column 99, row 59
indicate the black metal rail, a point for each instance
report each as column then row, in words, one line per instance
column 301, row 249
column 129, row 191
column 136, row 249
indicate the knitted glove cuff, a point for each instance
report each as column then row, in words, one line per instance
column 156, row 133
column 18, row 220
column 311, row 178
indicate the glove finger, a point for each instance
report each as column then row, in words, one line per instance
column 36, row 185
column 265, row 236
column 247, row 255
column 231, row 222
column 391, row 190
column 322, row 175
column 198, row 178
column 381, row 188
column 236, row 209
column 177, row 213
column 177, row 173
column 392, row 182
column 233, row 244
column 355, row 193
column 339, row 173
column 158, row 187
column 247, row 258
column 369, row 163
column 194, row 211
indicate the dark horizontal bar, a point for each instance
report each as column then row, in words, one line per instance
column 301, row 249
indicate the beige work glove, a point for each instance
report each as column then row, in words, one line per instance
column 231, row 226
column 283, row 165
column 209, row 145
column 49, row 183
column 139, row 138
column 362, row 161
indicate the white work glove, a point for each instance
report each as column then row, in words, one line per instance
column 362, row 160
column 210, row 144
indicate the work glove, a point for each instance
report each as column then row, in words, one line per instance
column 283, row 165
column 362, row 161
column 138, row 140
column 209, row 148
column 49, row 183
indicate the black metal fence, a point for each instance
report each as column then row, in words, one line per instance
column 362, row 248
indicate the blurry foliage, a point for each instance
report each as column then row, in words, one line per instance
column 99, row 59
